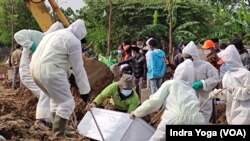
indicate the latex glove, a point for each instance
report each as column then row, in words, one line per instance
column 196, row 85
column 85, row 97
column 132, row 115
column 72, row 80
column 218, row 93
column 33, row 47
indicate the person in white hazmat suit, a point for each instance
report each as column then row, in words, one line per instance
column 236, row 88
column 179, row 99
column 206, row 79
column 55, row 55
column 29, row 39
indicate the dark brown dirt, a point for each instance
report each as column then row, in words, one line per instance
column 17, row 108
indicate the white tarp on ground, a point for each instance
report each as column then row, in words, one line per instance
column 114, row 126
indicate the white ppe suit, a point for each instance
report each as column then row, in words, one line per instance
column 238, row 79
column 181, row 102
column 56, row 53
column 27, row 39
column 208, row 75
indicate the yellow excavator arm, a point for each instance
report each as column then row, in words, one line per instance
column 99, row 75
column 41, row 14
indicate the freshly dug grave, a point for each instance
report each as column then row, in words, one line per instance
column 17, row 116
column 17, row 108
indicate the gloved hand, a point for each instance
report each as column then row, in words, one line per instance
column 92, row 105
column 72, row 80
column 85, row 97
column 196, row 85
column 218, row 93
column 33, row 47
column 132, row 115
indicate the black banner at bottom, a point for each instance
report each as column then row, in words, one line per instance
column 208, row 132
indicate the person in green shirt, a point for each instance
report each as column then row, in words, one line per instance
column 121, row 94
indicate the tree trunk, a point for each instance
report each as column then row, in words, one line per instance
column 170, row 39
column 12, row 24
column 110, row 28
column 170, row 6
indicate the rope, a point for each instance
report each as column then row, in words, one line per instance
column 210, row 98
column 157, row 115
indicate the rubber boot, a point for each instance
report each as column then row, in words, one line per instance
column 59, row 126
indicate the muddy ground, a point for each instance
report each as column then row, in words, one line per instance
column 17, row 109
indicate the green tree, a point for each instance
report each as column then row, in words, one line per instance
column 20, row 17
column 133, row 18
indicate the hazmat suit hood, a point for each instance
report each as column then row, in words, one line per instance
column 54, row 27
column 185, row 72
column 232, row 57
column 192, row 50
column 78, row 29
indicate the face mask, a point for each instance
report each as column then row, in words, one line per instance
column 226, row 68
column 119, row 51
column 207, row 52
column 140, row 46
column 126, row 92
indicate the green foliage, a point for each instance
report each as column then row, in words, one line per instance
column 192, row 20
column 157, row 31
column 182, row 33
column 22, row 19
column 155, row 18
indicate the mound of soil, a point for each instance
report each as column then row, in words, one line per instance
column 17, row 108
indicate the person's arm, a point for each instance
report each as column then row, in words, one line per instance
column 12, row 59
column 155, row 101
column 212, row 78
column 126, row 47
column 75, row 59
column 246, row 61
column 242, row 93
column 29, row 39
column 125, row 62
column 23, row 38
column 106, row 93
column 144, row 68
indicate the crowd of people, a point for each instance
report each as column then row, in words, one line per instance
column 48, row 59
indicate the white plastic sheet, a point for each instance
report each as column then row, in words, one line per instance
column 114, row 126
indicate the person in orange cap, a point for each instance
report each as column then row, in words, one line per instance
column 211, row 56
